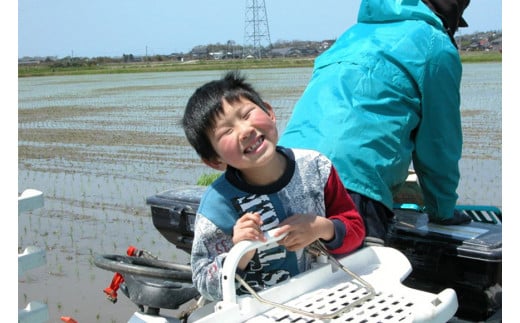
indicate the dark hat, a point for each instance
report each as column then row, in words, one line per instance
column 462, row 22
column 450, row 12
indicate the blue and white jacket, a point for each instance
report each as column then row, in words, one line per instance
column 309, row 185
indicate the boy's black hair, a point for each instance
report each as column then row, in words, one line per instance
column 205, row 105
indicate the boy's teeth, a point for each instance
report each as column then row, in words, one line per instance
column 254, row 146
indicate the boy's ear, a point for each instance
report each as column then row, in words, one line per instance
column 270, row 110
column 215, row 164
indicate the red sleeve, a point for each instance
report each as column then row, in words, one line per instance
column 339, row 206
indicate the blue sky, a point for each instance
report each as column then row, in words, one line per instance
column 112, row 28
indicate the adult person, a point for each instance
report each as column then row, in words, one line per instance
column 384, row 95
column 264, row 186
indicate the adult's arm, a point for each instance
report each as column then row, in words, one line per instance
column 439, row 137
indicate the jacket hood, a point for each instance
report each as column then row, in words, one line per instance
column 443, row 14
column 378, row 11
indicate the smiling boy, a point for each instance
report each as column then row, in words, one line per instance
column 264, row 186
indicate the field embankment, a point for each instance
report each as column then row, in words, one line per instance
column 46, row 69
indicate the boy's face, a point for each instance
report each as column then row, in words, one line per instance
column 245, row 136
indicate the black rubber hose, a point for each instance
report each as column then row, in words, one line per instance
column 144, row 267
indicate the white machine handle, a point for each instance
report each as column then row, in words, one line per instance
column 234, row 256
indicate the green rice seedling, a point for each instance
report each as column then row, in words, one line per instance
column 91, row 262
column 71, row 235
column 206, row 179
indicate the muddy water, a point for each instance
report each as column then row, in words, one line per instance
column 99, row 145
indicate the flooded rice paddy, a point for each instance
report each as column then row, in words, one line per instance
column 98, row 145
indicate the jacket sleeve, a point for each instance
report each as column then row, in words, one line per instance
column 209, row 249
column 348, row 224
column 438, row 143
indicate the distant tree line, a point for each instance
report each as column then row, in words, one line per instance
column 481, row 41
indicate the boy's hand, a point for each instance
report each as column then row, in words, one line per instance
column 304, row 229
column 248, row 227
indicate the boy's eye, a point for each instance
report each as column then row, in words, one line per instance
column 248, row 113
column 224, row 132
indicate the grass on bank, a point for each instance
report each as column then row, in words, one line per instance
column 197, row 65
column 201, row 65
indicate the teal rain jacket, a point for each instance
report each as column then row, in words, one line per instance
column 384, row 94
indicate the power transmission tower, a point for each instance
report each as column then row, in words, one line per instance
column 256, row 28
